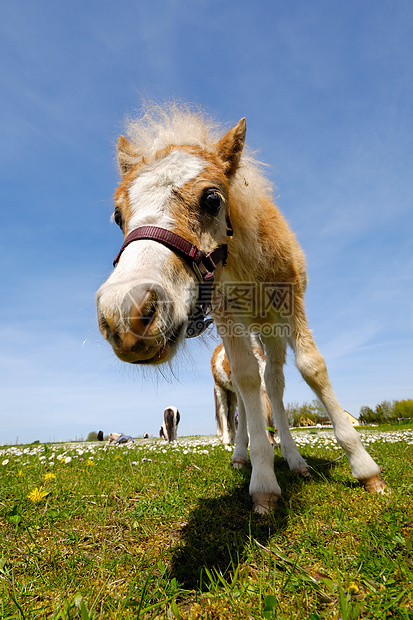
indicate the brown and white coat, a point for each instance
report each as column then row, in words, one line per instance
column 179, row 173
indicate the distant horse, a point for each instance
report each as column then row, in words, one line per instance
column 169, row 427
column 185, row 185
column 226, row 397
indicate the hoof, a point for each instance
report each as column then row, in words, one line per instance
column 375, row 484
column 264, row 502
column 304, row 472
column 238, row 462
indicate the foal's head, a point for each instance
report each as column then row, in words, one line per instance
column 143, row 306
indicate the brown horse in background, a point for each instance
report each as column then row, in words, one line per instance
column 225, row 396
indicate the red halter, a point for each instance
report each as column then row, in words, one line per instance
column 195, row 258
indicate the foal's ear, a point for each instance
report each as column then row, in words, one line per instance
column 128, row 155
column 230, row 147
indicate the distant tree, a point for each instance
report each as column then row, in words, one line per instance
column 313, row 411
column 403, row 409
column 291, row 411
column 93, row 436
column 367, row 415
column 385, row 411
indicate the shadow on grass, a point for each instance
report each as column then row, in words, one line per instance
column 220, row 529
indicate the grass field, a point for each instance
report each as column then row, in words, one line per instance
column 166, row 531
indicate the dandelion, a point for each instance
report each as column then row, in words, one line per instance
column 90, row 462
column 49, row 475
column 37, row 495
column 354, row 589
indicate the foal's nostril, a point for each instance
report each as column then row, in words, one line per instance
column 117, row 340
column 143, row 312
column 149, row 310
column 104, row 326
column 139, row 346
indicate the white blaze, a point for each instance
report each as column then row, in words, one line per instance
column 149, row 197
column 150, row 193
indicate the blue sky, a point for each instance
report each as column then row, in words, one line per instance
column 327, row 89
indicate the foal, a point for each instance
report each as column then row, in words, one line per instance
column 185, row 187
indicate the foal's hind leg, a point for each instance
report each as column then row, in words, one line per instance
column 313, row 369
column 264, row 487
column 275, row 349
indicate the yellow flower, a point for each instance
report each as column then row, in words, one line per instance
column 49, row 475
column 354, row 589
column 20, row 473
column 90, row 462
column 37, row 495
column 118, row 457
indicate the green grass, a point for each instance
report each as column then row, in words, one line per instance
column 158, row 531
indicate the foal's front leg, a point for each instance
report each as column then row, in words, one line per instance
column 264, row 487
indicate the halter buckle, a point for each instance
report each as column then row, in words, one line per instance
column 197, row 272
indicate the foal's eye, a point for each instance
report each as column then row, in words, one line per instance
column 118, row 218
column 211, row 201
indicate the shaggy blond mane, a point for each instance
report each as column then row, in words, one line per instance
column 183, row 124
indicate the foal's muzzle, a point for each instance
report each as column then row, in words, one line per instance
column 143, row 329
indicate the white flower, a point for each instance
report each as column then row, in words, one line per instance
column 5, row 461
column 68, row 459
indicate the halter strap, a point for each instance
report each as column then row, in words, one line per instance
column 175, row 242
column 187, row 250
